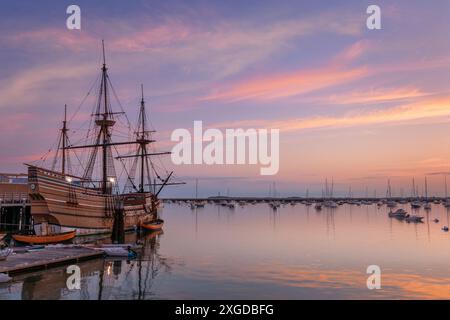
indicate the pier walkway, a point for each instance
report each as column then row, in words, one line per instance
column 46, row 258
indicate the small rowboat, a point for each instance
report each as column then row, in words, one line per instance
column 52, row 238
column 153, row 225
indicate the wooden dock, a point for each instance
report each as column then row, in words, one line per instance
column 46, row 258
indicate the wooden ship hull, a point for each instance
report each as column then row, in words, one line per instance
column 61, row 206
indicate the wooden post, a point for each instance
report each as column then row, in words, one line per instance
column 118, row 232
column 20, row 218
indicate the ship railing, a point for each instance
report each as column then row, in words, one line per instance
column 14, row 198
column 24, row 226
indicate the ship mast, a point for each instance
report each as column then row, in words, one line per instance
column 142, row 154
column 105, row 124
column 104, row 120
column 142, row 141
column 64, row 140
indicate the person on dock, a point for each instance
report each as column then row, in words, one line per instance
column 131, row 253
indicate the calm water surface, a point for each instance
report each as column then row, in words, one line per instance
column 255, row 253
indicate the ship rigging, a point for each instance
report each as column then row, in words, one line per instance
column 85, row 201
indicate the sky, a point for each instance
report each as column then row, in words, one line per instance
column 353, row 105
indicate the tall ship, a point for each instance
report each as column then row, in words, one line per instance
column 63, row 202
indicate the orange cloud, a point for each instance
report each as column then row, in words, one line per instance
column 432, row 108
column 288, row 85
column 375, row 96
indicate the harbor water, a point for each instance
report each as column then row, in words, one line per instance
column 255, row 252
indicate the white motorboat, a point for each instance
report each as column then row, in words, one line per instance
column 5, row 253
column 4, row 278
column 118, row 252
column 330, row 204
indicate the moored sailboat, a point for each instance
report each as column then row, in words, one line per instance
column 390, row 203
column 446, row 201
column 427, row 204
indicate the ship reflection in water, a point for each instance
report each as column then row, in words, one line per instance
column 255, row 252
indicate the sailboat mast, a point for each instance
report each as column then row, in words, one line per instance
column 332, row 188
column 445, row 183
column 196, row 189
column 389, row 189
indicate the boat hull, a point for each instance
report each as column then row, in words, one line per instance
column 48, row 239
column 153, row 226
column 58, row 205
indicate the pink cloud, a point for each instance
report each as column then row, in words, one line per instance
column 299, row 82
column 52, row 38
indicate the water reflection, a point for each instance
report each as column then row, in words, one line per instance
column 123, row 279
column 101, row 279
column 294, row 252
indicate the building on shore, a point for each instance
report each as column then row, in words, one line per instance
column 14, row 203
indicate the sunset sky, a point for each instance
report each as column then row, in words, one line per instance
column 356, row 105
